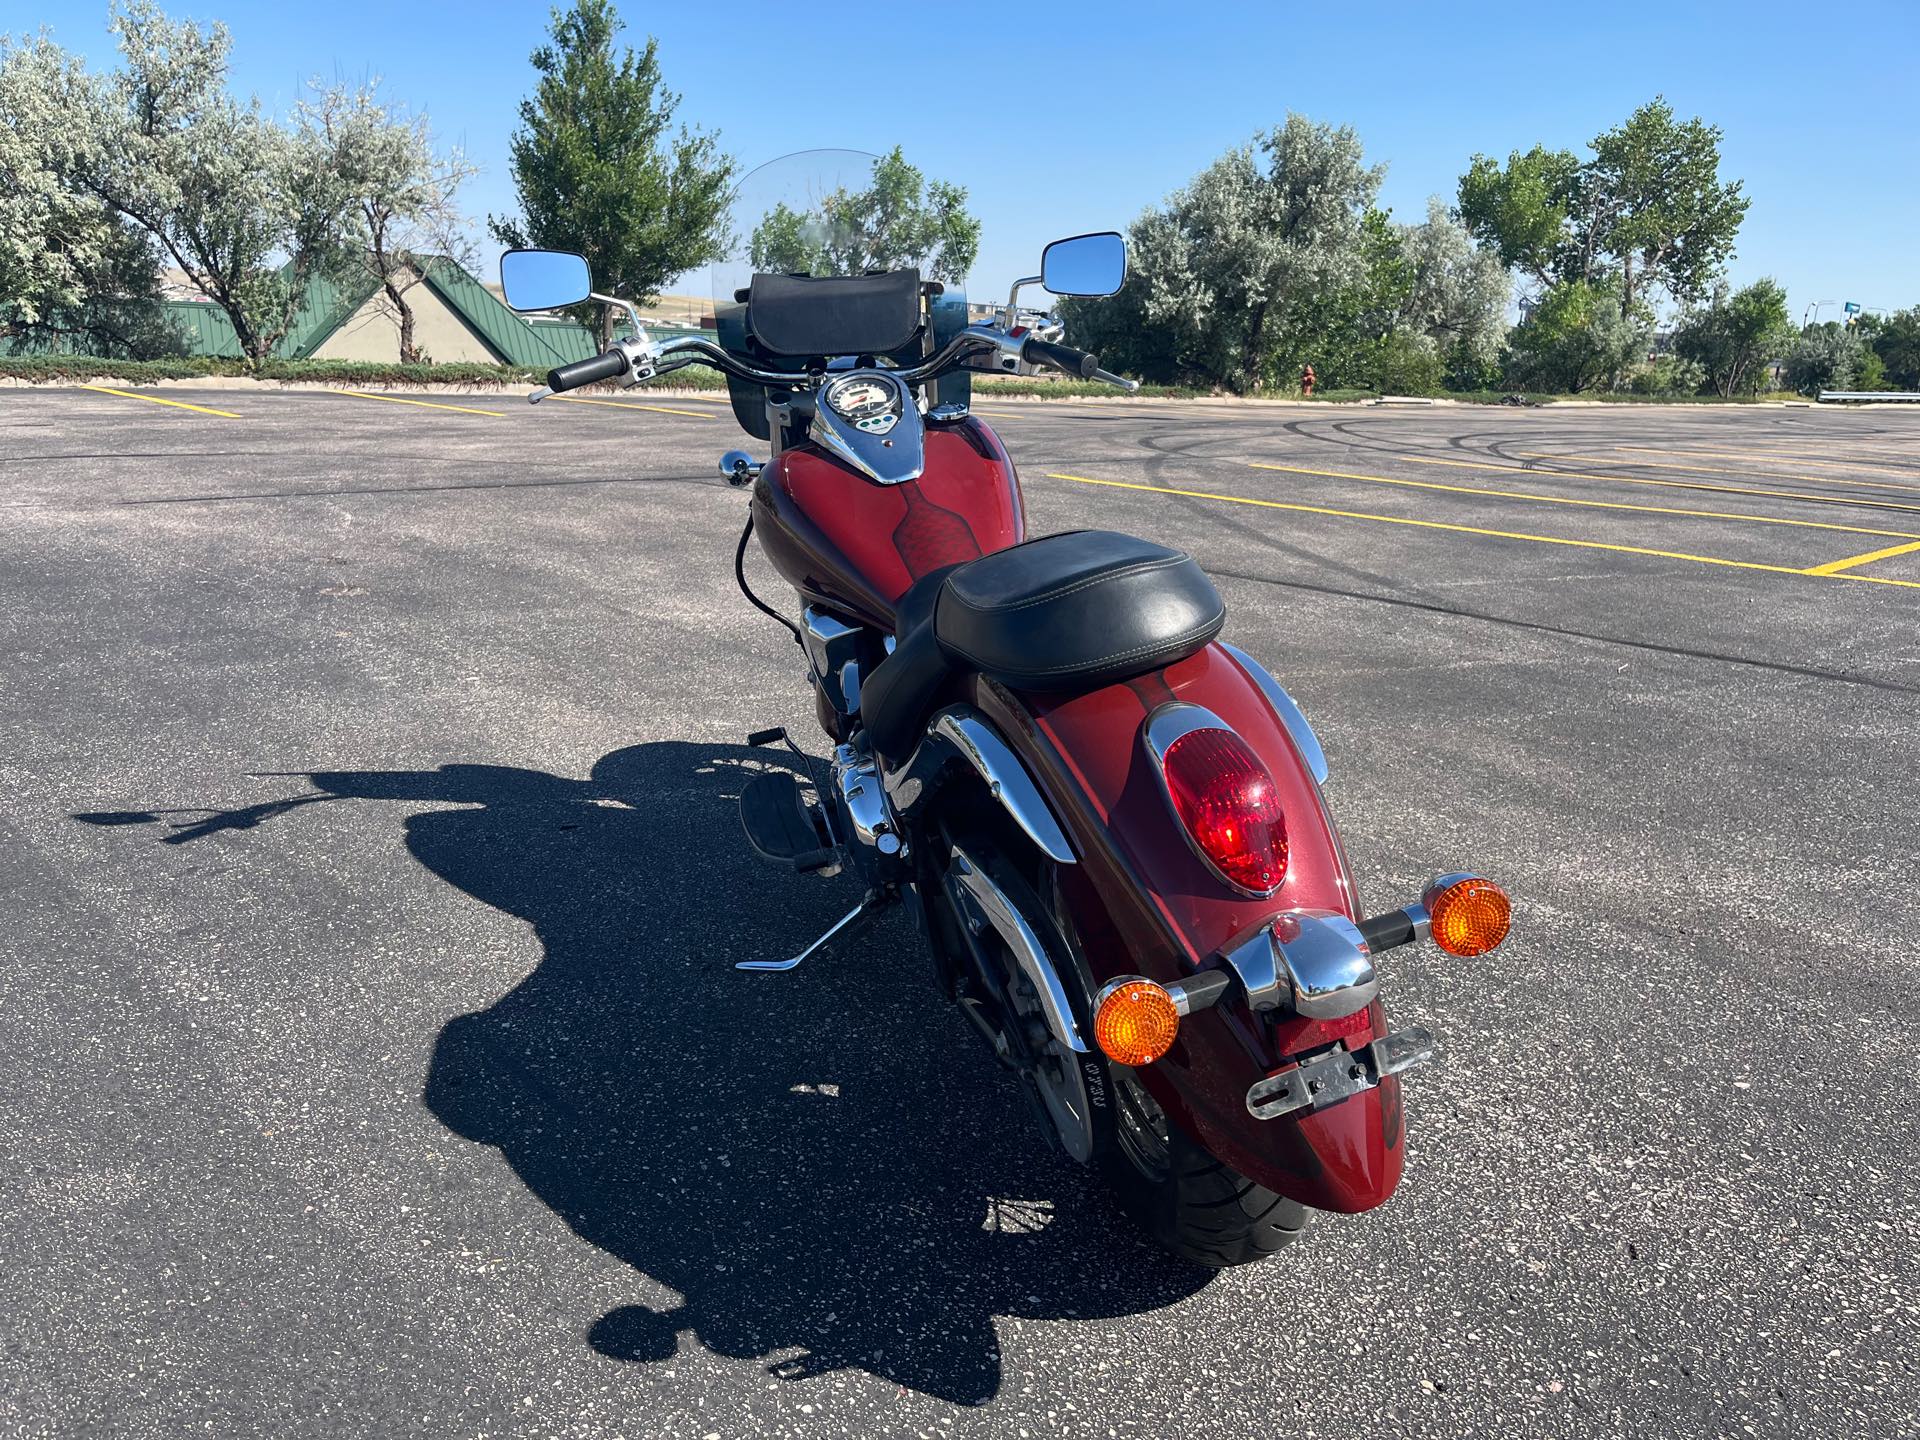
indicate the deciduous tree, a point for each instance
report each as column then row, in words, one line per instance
column 900, row 219
column 402, row 191
column 1825, row 357
column 1652, row 201
column 1523, row 212
column 223, row 189
column 1647, row 209
column 1735, row 337
column 72, row 272
column 1456, row 292
column 1577, row 337
column 1897, row 343
column 1226, row 268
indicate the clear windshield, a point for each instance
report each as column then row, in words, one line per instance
column 844, row 212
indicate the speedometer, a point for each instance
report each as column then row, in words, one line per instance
column 860, row 397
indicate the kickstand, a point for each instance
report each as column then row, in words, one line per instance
column 850, row 923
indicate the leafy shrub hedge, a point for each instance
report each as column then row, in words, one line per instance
column 70, row 368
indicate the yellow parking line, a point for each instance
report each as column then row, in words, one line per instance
column 156, row 400
column 423, row 404
column 1775, row 455
column 1719, row 470
column 1594, row 504
column 1834, row 567
column 1719, row 487
column 1477, row 530
column 631, row 405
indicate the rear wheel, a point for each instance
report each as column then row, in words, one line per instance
column 1194, row 1205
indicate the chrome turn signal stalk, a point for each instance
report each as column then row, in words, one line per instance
column 1319, row 964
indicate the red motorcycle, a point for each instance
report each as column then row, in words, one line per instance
column 1107, row 822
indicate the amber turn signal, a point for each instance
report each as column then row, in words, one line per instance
column 1470, row 916
column 1135, row 1021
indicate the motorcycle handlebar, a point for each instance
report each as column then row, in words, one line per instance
column 584, row 372
column 1060, row 357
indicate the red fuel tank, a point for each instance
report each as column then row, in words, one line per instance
column 856, row 545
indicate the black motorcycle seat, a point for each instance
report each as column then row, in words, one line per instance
column 1066, row 612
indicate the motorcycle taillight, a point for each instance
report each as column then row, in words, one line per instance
column 1225, row 798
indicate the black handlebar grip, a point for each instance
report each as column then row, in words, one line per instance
column 1060, row 357
column 585, row 372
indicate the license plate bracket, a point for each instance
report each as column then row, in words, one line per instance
column 1338, row 1074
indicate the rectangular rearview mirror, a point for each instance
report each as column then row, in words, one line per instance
column 1087, row 266
column 544, row 279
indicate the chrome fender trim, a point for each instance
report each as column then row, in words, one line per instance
column 959, row 730
column 1028, row 953
column 1304, row 740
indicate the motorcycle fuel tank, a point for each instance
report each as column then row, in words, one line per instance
column 856, row 545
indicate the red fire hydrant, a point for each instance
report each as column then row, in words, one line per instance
column 1306, row 381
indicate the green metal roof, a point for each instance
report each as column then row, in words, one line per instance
column 326, row 306
column 538, row 342
column 508, row 335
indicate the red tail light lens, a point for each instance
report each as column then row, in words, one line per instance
column 1225, row 798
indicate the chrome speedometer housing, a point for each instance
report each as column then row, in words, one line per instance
column 869, row 419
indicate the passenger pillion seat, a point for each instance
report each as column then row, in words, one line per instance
column 1067, row 612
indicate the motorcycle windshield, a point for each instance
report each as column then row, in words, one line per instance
column 842, row 213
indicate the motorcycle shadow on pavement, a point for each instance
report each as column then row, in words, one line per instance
column 822, row 1165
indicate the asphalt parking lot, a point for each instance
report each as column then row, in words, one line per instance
column 373, row 1065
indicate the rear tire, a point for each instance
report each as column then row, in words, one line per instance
column 1193, row 1204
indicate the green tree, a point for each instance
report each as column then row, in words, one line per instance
column 1456, row 292
column 1652, row 198
column 224, row 190
column 901, row 219
column 72, row 272
column 1227, row 270
column 1734, row 338
column 597, row 172
column 1576, row 337
column 1897, row 343
column 1647, row 209
column 1524, row 212
column 1825, row 357
column 402, row 191
column 1352, row 335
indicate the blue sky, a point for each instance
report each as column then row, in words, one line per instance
column 1068, row 117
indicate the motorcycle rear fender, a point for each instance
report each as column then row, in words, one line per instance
column 1144, row 903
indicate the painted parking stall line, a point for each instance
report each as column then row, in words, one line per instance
column 635, row 405
column 1444, row 525
column 1775, row 457
column 421, row 404
column 1746, row 473
column 157, row 400
column 1589, row 504
column 1834, row 567
column 1713, row 486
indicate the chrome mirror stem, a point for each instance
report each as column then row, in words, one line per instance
column 1010, row 316
column 633, row 315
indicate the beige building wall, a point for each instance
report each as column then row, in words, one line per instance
column 372, row 333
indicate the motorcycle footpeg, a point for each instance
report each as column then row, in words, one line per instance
column 780, row 825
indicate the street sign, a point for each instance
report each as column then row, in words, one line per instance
column 1853, row 307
